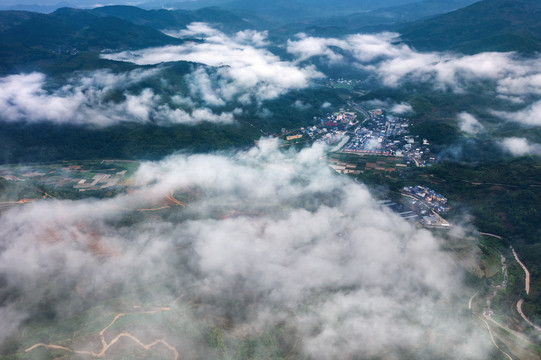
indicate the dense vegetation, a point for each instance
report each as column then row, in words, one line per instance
column 164, row 19
column 293, row 10
column 381, row 19
column 500, row 197
column 47, row 142
column 488, row 190
column 44, row 142
column 489, row 25
column 24, row 44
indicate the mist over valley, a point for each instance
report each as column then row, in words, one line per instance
column 270, row 180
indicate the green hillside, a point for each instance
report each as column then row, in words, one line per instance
column 382, row 19
column 30, row 39
column 282, row 10
column 165, row 19
column 489, row 25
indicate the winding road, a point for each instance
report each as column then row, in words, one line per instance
column 471, row 299
column 526, row 284
column 489, row 234
column 519, row 305
column 527, row 289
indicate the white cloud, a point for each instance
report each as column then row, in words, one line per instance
column 520, row 146
column 252, row 37
column 264, row 113
column 469, row 124
column 447, row 71
column 80, row 101
column 531, row 115
column 364, row 47
column 402, row 108
column 522, row 85
column 244, row 67
column 307, row 47
column 511, row 99
column 301, row 105
column 376, row 103
column 268, row 240
column 194, row 29
column 202, row 86
column 85, row 100
column 372, row 144
column 178, row 116
column 511, row 77
column 395, row 62
column 23, row 97
column 182, row 100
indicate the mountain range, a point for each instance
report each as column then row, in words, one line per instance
column 282, row 9
column 488, row 25
column 223, row 20
column 24, row 43
column 382, row 19
column 28, row 39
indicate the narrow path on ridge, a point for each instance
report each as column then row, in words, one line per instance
column 107, row 345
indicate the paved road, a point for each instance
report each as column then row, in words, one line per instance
column 359, row 109
column 527, row 282
column 341, row 144
column 488, row 234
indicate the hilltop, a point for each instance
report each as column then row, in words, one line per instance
column 489, row 25
column 223, row 20
column 23, row 41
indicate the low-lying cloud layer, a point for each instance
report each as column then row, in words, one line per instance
column 511, row 77
column 241, row 70
column 520, row 146
column 401, row 109
column 469, row 123
column 395, row 62
column 531, row 115
column 87, row 99
column 246, row 69
column 268, row 240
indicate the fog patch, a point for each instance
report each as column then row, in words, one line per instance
column 469, row 124
column 245, row 67
column 98, row 98
column 326, row 105
column 299, row 105
column 512, row 78
column 520, row 146
column 394, row 63
column 268, row 240
column 401, row 109
column 530, row 115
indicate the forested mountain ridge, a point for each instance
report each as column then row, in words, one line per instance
column 488, row 25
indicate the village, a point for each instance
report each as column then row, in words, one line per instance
column 427, row 204
column 364, row 141
column 378, row 134
column 422, row 205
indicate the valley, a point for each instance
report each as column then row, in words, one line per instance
column 319, row 180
